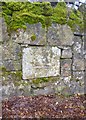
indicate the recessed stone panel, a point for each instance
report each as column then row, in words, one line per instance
column 40, row 62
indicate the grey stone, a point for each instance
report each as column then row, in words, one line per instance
column 78, row 76
column 66, row 53
column 40, row 62
column 78, row 48
column 66, row 67
column 45, row 91
column 66, row 80
column 76, row 88
column 8, row 90
column 0, row 30
column 12, row 65
column 78, row 54
column 78, row 64
column 0, row 55
column 59, row 87
column 79, row 79
column 23, row 89
column 11, row 50
column 13, row 85
column 34, row 35
column 5, row 35
column 66, row 91
column 59, row 35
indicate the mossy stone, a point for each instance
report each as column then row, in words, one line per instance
column 18, row 14
column 33, row 37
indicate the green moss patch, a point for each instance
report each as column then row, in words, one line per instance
column 44, row 80
column 18, row 14
column 33, row 37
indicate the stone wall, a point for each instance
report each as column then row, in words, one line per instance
column 42, row 61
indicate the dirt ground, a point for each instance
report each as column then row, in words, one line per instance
column 45, row 107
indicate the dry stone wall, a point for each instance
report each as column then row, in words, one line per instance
column 42, row 61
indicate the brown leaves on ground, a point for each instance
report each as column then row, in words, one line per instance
column 48, row 106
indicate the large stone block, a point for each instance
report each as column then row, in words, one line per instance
column 34, row 35
column 59, row 35
column 40, row 62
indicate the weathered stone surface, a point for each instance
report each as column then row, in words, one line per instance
column 75, row 87
column 5, row 36
column 11, row 50
column 78, row 64
column 34, row 35
column 79, row 76
column 78, row 54
column 11, row 65
column 1, row 55
column 66, row 53
column 78, row 48
column 13, row 85
column 0, row 30
column 77, row 84
column 40, row 62
column 67, row 80
column 45, row 91
column 59, row 35
column 62, row 88
column 8, row 90
column 66, row 67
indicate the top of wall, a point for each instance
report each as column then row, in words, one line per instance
column 18, row 14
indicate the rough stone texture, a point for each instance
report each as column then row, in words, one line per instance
column 11, row 51
column 59, row 35
column 61, row 54
column 77, row 82
column 13, row 85
column 11, row 55
column 78, row 50
column 78, row 64
column 0, row 54
column 40, row 62
column 5, row 36
column 79, row 76
column 75, row 87
column 0, row 30
column 8, row 90
column 66, row 67
column 45, row 91
column 78, row 54
column 12, row 65
column 34, row 35
column 66, row 53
